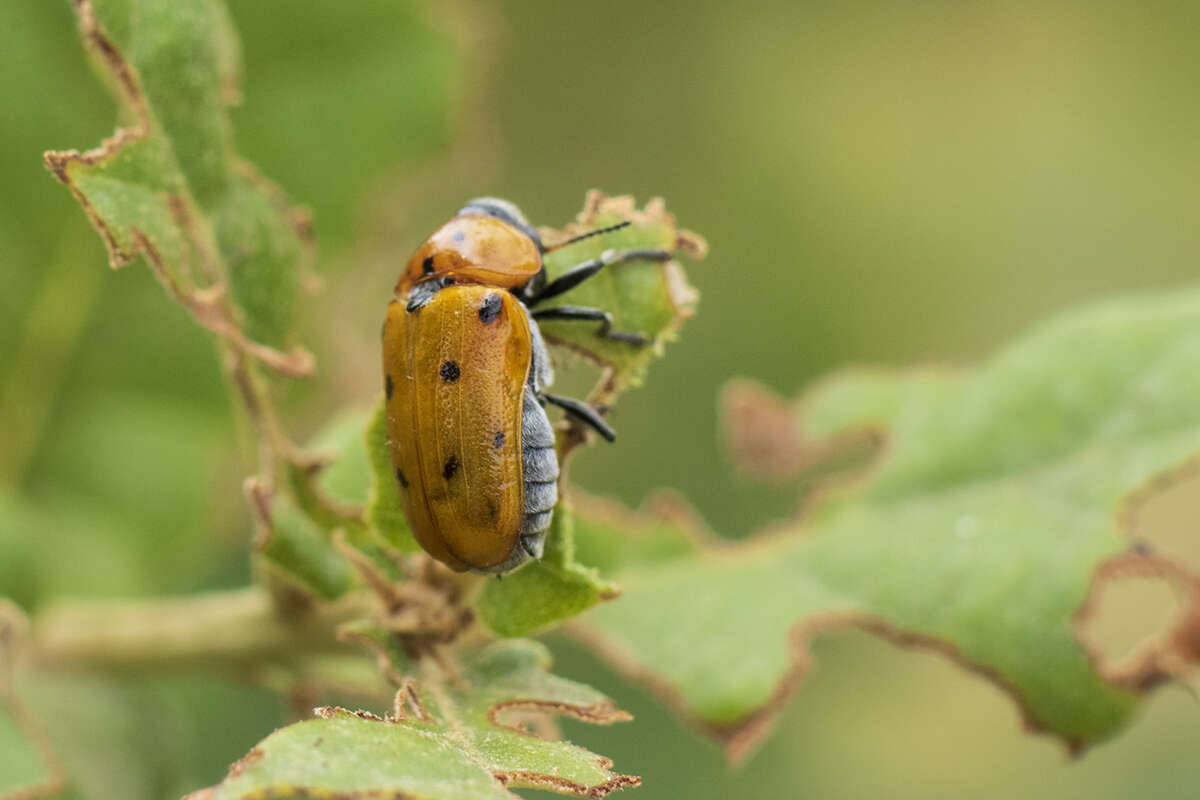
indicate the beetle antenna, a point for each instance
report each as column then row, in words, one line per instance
column 588, row 235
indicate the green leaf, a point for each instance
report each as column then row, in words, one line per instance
column 169, row 185
column 460, row 738
column 644, row 297
column 977, row 533
column 543, row 592
column 346, row 476
column 295, row 547
column 384, row 512
column 330, row 486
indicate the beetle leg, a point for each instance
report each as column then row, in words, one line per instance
column 603, row 317
column 582, row 412
column 581, row 272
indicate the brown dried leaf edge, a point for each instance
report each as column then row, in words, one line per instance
column 1166, row 655
column 210, row 307
column 682, row 295
column 407, row 703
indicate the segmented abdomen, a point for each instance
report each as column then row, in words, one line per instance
column 540, row 473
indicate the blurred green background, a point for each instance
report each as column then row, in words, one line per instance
column 879, row 182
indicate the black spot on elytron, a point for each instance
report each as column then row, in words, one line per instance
column 459, row 237
column 387, row 386
column 427, row 265
column 498, row 439
column 449, row 371
column 489, row 309
column 450, row 468
column 400, row 477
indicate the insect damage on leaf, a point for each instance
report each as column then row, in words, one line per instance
column 648, row 298
column 222, row 240
column 764, row 441
column 445, row 736
column 1171, row 649
column 993, row 507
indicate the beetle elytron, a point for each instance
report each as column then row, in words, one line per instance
column 465, row 372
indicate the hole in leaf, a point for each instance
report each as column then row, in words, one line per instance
column 1168, row 523
column 1131, row 612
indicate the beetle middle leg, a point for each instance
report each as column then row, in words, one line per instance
column 599, row 315
column 582, row 412
column 581, row 272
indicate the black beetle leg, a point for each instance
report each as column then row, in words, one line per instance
column 582, row 412
column 603, row 317
column 581, row 272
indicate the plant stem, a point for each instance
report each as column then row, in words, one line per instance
column 239, row 628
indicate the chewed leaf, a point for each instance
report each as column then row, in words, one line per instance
column 544, row 592
column 349, row 754
column 765, row 442
column 647, row 298
column 170, row 187
column 1170, row 649
column 461, row 739
column 997, row 496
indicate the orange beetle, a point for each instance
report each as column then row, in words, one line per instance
column 465, row 371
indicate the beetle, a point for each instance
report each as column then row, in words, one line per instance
column 465, row 377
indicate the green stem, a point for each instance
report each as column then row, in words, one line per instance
column 239, row 628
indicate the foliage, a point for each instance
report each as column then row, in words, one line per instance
column 455, row 739
column 968, row 534
column 973, row 513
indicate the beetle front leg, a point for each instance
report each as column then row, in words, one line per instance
column 594, row 314
column 581, row 272
column 582, row 412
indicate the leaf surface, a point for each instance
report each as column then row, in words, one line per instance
column 384, row 511
column 169, row 185
column 552, row 589
column 446, row 738
column 648, row 298
column 294, row 546
column 977, row 532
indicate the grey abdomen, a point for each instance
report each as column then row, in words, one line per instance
column 540, row 473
